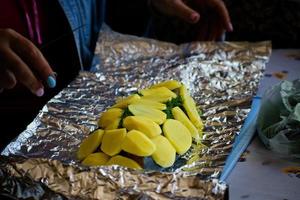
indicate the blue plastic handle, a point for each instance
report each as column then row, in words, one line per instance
column 243, row 139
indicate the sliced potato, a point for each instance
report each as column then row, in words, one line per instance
column 123, row 103
column 114, row 124
column 171, row 84
column 138, row 144
column 112, row 141
column 155, row 115
column 190, row 107
column 150, row 103
column 165, row 154
column 96, row 159
column 108, row 117
column 123, row 161
column 160, row 94
column 178, row 135
column 181, row 116
column 90, row 144
column 143, row 124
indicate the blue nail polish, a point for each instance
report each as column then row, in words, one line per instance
column 51, row 81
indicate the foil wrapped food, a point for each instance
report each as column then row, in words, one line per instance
column 221, row 77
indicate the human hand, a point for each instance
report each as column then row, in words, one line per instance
column 210, row 17
column 21, row 61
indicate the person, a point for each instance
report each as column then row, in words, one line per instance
column 207, row 20
column 45, row 43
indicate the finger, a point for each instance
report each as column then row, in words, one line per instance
column 216, row 34
column 215, row 28
column 32, row 56
column 223, row 12
column 219, row 34
column 210, row 27
column 202, row 30
column 7, row 79
column 23, row 74
column 211, row 33
column 184, row 12
column 201, row 33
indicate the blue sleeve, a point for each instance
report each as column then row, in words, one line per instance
column 85, row 18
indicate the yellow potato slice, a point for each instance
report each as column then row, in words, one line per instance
column 160, row 94
column 190, row 108
column 138, row 144
column 155, row 115
column 178, row 135
column 112, row 141
column 108, row 117
column 150, row 103
column 114, row 124
column 123, row 103
column 96, row 159
column 165, row 154
column 90, row 144
column 123, row 161
column 181, row 116
column 143, row 124
column 171, row 84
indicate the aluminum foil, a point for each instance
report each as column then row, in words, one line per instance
column 222, row 78
column 112, row 182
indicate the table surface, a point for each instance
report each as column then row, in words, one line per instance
column 261, row 175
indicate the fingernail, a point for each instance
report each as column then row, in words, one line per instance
column 39, row 92
column 194, row 17
column 230, row 27
column 51, row 81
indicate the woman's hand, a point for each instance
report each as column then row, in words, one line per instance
column 210, row 16
column 21, row 61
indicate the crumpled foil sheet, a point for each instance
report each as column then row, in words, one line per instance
column 111, row 182
column 222, row 78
